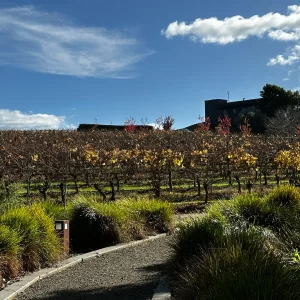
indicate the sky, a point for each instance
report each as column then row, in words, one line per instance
column 63, row 63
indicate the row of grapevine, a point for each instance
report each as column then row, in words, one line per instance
column 112, row 157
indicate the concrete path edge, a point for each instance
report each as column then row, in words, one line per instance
column 12, row 290
column 162, row 291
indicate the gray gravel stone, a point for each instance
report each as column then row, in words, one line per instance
column 130, row 273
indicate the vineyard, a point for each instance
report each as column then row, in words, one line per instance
column 97, row 180
column 108, row 161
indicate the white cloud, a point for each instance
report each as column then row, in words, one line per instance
column 296, row 89
column 276, row 26
column 294, row 8
column 237, row 28
column 292, row 57
column 14, row 119
column 289, row 75
column 49, row 43
column 281, row 35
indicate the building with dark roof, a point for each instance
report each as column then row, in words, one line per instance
column 90, row 127
column 216, row 108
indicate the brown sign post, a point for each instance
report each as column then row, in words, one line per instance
column 62, row 228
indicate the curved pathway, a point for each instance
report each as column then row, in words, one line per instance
column 130, row 273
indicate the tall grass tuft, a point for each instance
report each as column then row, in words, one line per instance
column 285, row 195
column 240, row 249
column 90, row 229
column 246, row 210
column 38, row 240
column 238, row 270
column 9, row 193
column 10, row 251
column 194, row 234
column 96, row 224
column 156, row 215
column 259, row 211
column 53, row 210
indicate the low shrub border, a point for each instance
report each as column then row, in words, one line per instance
column 29, row 242
column 246, row 248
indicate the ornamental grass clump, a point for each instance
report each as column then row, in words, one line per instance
column 130, row 226
column 240, row 249
column 96, row 225
column 10, row 251
column 54, row 210
column 247, row 265
column 258, row 211
column 99, row 224
column 195, row 234
column 91, row 229
column 39, row 244
column 250, row 209
column 285, row 200
column 156, row 216
column 285, row 195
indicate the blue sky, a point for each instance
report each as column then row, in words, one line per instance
column 68, row 62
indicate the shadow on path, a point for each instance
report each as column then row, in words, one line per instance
column 142, row 290
column 120, row 292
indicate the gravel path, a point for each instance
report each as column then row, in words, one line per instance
column 130, row 273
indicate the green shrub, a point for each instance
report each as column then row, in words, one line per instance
column 91, row 230
column 207, row 232
column 203, row 232
column 96, row 224
column 156, row 215
column 285, row 195
column 251, row 207
column 54, row 211
column 52, row 246
column 243, row 264
column 10, row 251
column 38, row 240
column 246, row 210
column 233, row 273
column 258, row 211
column 131, row 225
column 226, row 213
column 240, row 249
column 9, row 197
